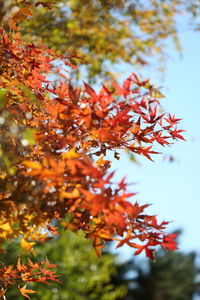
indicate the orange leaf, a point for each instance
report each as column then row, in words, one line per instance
column 8, row 270
column 19, row 266
column 49, row 265
column 2, row 292
column 97, row 245
column 32, row 164
column 24, row 291
column 22, row 14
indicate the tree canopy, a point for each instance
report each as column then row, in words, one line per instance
column 83, row 276
column 101, row 33
column 174, row 276
column 55, row 138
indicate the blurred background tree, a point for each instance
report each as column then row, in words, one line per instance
column 100, row 34
column 173, row 276
column 83, row 275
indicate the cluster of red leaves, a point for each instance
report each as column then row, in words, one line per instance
column 26, row 273
column 65, row 171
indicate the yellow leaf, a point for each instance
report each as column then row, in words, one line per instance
column 32, row 164
column 101, row 162
column 27, row 246
column 3, row 175
column 25, row 276
column 74, row 194
column 5, row 230
column 69, row 225
column 71, row 154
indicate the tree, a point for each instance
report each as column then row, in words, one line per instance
column 83, row 275
column 100, row 33
column 54, row 141
column 173, row 276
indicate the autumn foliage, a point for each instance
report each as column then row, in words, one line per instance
column 54, row 169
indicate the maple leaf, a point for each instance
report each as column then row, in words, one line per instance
column 27, row 246
column 19, row 266
column 72, row 153
column 176, row 134
column 126, row 240
column 90, row 91
column 122, row 184
column 172, row 120
column 2, row 292
column 143, row 151
column 97, row 245
column 150, row 253
column 52, row 229
column 69, row 225
column 54, row 278
column 32, row 164
column 49, row 265
column 22, row 14
column 127, row 86
column 24, row 291
column 162, row 140
column 140, row 249
column 169, row 242
column 8, row 270
column 32, row 265
column 138, row 82
column 152, row 117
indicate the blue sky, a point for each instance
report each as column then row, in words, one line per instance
column 173, row 188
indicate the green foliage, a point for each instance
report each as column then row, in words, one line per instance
column 83, row 276
column 2, row 98
column 171, row 277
